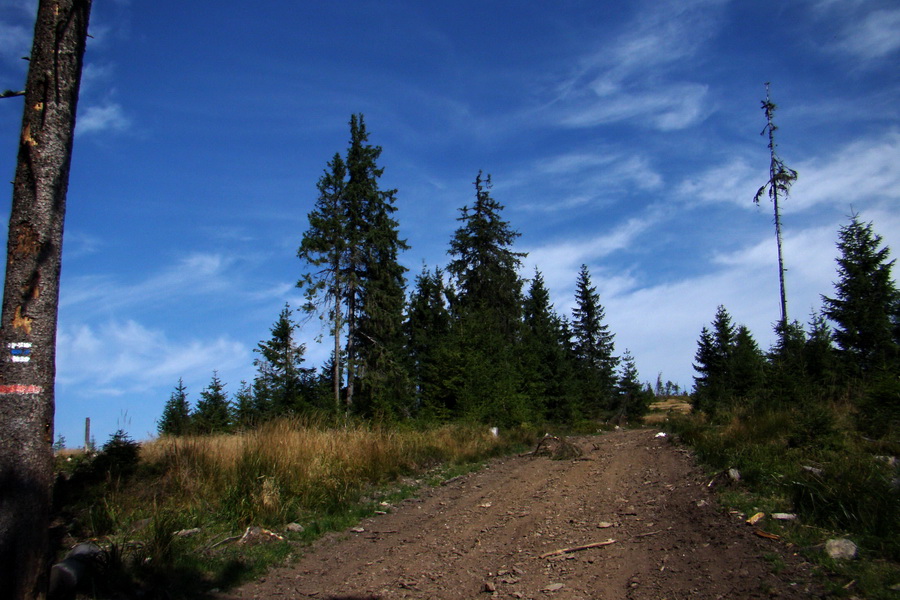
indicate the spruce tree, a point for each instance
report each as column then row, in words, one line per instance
column 281, row 380
column 704, row 364
column 324, row 248
column 714, row 386
column 864, row 309
column 244, row 408
column 213, row 413
column 354, row 243
column 632, row 399
column 818, row 352
column 176, row 416
column 484, row 265
column 426, row 329
column 546, row 370
column 747, row 366
column 593, row 346
column 487, row 312
column 786, row 373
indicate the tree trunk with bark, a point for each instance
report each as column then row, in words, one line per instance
column 31, row 295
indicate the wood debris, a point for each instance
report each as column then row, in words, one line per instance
column 577, row 548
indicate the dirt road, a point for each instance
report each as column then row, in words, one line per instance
column 489, row 534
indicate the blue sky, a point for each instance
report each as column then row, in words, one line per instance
column 621, row 134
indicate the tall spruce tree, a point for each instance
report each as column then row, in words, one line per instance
column 864, row 309
column 324, row 248
column 213, row 414
column 353, row 239
column 384, row 382
column 487, row 312
column 176, row 416
column 594, row 346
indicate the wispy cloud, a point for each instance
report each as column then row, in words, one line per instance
column 867, row 33
column 102, row 118
column 121, row 357
column 582, row 178
column 669, row 107
column 733, row 182
column 876, row 36
column 862, row 170
column 195, row 274
column 865, row 169
column 559, row 261
column 634, row 77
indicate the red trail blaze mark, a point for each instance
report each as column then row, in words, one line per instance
column 20, row 389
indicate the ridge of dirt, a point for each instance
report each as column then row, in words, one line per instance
column 490, row 534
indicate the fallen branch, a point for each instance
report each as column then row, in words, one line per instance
column 227, row 540
column 640, row 535
column 577, row 548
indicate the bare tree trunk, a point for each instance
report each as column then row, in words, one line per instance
column 774, row 171
column 781, row 177
column 31, row 294
column 336, row 374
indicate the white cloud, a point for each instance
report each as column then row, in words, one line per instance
column 198, row 273
column 634, row 76
column 732, row 182
column 605, row 174
column 99, row 118
column 116, row 358
column 864, row 32
column 665, row 107
column 560, row 261
column 874, row 36
column 861, row 171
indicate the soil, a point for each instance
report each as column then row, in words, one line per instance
column 490, row 534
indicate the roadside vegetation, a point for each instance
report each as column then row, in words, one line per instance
column 179, row 516
column 812, row 427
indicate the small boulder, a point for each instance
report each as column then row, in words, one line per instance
column 840, row 549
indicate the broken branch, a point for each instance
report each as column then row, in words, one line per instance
column 577, row 548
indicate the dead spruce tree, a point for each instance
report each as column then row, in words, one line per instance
column 781, row 177
column 31, row 294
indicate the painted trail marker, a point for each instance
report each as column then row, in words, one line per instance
column 18, row 388
column 20, row 351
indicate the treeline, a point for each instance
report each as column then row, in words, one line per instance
column 471, row 340
column 849, row 349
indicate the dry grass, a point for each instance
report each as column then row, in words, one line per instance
column 660, row 411
column 285, row 468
